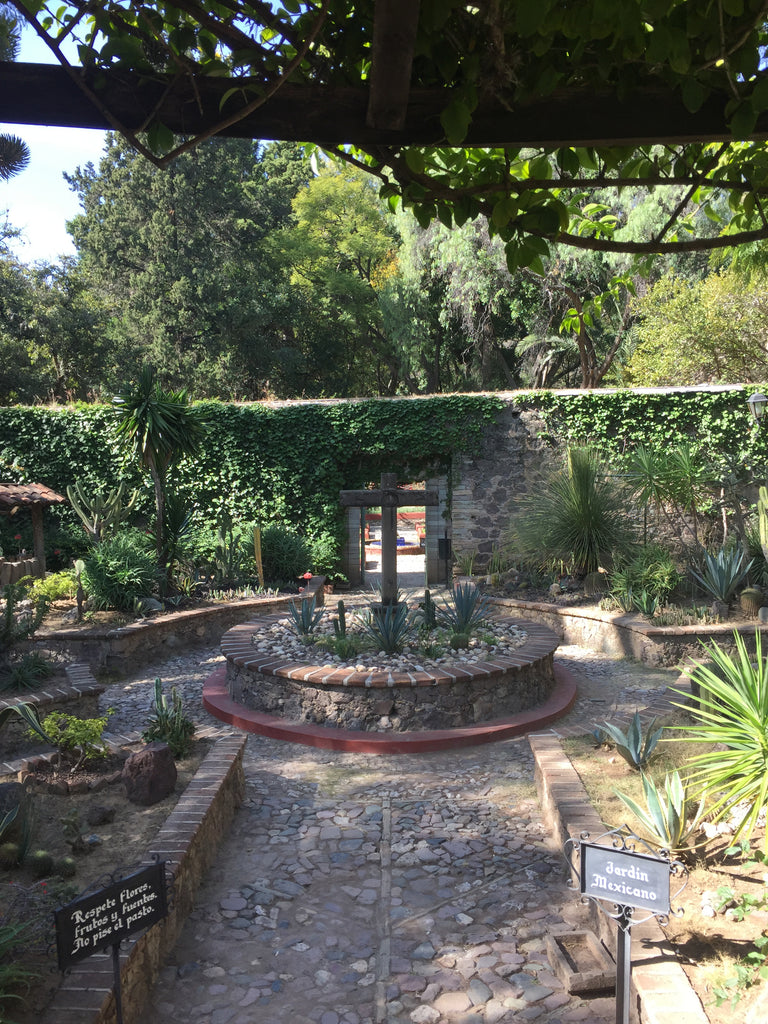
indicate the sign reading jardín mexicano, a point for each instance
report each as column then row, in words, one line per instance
column 104, row 918
column 624, row 877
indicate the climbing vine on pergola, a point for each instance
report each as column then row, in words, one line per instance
column 517, row 109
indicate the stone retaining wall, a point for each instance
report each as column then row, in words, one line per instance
column 128, row 647
column 437, row 698
column 613, row 633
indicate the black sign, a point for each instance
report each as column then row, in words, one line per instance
column 91, row 923
column 624, row 877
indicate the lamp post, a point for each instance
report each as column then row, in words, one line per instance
column 758, row 404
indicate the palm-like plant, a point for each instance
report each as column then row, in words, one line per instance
column 579, row 516
column 157, row 428
column 14, row 153
column 732, row 719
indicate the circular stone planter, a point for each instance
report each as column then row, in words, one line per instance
column 444, row 697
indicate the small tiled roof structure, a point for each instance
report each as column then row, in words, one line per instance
column 35, row 497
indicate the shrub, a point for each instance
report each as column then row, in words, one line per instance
column 26, row 673
column 84, row 737
column 324, row 555
column 57, row 586
column 284, row 554
column 120, row 571
column 652, row 569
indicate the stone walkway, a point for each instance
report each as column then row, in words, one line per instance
column 356, row 889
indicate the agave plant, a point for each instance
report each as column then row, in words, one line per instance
column 723, row 572
column 466, row 608
column 305, row 618
column 390, row 627
column 669, row 816
column 635, row 750
column 732, row 720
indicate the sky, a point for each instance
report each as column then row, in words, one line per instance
column 38, row 201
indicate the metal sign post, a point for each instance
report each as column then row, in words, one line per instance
column 611, row 869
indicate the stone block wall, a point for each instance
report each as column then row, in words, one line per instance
column 485, row 487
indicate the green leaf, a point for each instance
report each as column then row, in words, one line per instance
column 415, row 160
column 455, row 120
column 694, row 94
column 159, row 138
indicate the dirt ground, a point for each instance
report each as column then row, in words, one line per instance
column 116, row 835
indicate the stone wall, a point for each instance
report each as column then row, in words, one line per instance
column 486, row 486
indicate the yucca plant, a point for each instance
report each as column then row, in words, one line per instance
column 578, row 516
column 732, row 720
column 464, row 608
column 670, row 816
column 635, row 750
column 723, row 572
column 305, row 618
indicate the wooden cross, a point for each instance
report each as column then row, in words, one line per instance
column 390, row 499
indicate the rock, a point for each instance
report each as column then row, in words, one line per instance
column 99, row 814
column 149, row 775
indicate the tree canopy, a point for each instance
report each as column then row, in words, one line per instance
column 518, row 110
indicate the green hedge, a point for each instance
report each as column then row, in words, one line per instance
column 719, row 422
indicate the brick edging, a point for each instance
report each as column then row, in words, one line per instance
column 658, row 981
column 188, row 841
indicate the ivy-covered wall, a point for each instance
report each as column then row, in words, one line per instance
column 259, row 462
column 288, row 461
column 714, row 418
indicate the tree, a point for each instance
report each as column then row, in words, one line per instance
column 157, row 427
column 179, row 260
column 711, row 331
column 683, row 71
column 340, row 251
column 14, row 153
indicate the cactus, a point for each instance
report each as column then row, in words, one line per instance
column 340, row 624
column 101, row 514
column 762, row 518
column 430, row 611
column 751, row 600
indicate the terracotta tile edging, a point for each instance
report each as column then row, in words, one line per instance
column 658, row 980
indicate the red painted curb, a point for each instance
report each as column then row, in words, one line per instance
column 217, row 701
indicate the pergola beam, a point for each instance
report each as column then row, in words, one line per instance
column 329, row 115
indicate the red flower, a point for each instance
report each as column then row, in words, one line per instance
column 307, row 576
column 17, row 536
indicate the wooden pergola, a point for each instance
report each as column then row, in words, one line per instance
column 333, row 115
